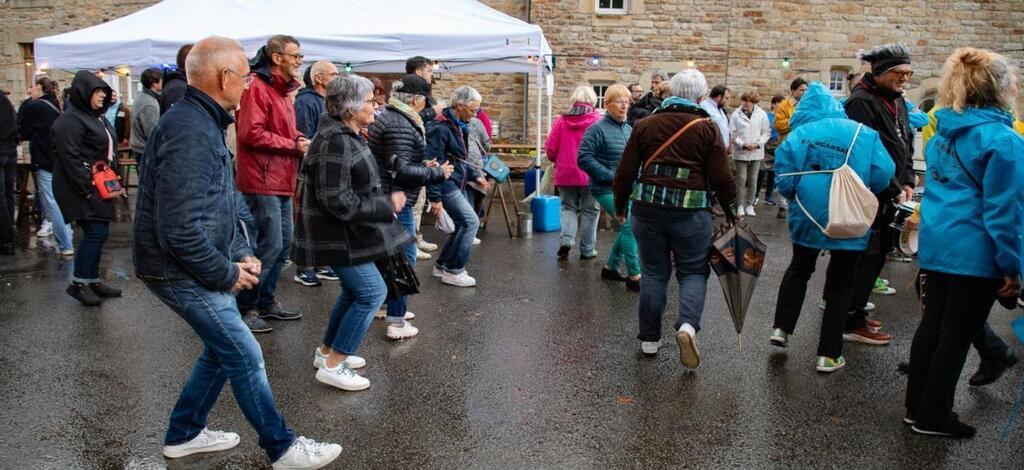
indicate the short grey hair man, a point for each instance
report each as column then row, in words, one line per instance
column 345, row 96
column 689, row 84
column 465, row 95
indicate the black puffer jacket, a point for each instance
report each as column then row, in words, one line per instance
column 173, row 89
column 37, row 121
column 397, row 144
column 82, row 137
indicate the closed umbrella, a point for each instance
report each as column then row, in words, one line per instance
column 737, row 256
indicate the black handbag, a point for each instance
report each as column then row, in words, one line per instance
column 399, row 277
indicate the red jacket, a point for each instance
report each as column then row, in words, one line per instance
column 268, row 154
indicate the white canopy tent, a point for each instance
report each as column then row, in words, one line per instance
column 369, row 35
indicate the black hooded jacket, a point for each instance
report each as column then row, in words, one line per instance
column 886, row 113
column 82, row 136
column 173, row 89
column 36, row 127
column 8, row 127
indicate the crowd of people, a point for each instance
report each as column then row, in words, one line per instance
column 214, row 228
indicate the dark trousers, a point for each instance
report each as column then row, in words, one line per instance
column 90, row 248
column 765, row 179
column 839, row 286
column 955, row 311
column 868, row 269
column 8, row 183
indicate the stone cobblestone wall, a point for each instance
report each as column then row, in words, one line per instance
column 737, row 42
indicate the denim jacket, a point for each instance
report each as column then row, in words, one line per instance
column 188, row 218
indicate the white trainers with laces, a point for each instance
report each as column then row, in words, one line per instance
column 650, row 348
column 462, row 279
column 353, row 361
column 402, row 332
column 342, row 377
column 425, row 245
column 307, row 454
column 422, row 255
column 205, row 441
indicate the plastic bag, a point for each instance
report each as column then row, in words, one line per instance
column 444, row 222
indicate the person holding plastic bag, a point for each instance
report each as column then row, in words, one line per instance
column 829, row 168
column 970, row 238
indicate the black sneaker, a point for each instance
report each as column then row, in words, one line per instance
column 326, row 273
column 307, row 277
column 104, row 290
column 612, row 274
column 255, row 324
column 277, row 312
column 633, row 284
column 991, row 370
column 84, row 294
column 953, row 428
column 563, row 252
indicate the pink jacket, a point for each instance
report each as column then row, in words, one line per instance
column 564, row 141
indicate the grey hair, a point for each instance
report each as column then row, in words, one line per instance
column 346, row 95
column 318, row 68
column 885, row 52
column 466, row 94
column 407, row 98
column 583, row 94
column 657, row 73
column 689, row 84
column 210, row 55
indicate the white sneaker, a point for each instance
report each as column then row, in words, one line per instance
column 426, row 246
column 355, row 362
column 650, row 348
column 205, row 441
column 68, row 252
column 750, row 211
column 46, row 229
column 476, row 241
column 437, row 272
column 688, row 353
column 462, row 279
column 383, row 313
column 307, row 454
column 342, row 377
column 402, row 332
column 422, row 255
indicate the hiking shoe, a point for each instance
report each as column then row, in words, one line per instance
column 307, row 454
column 342, row 377
column 779, row 338
column 255, row 323
column 991, row 370
column 402, row 332
column 326, row 273
column 104, row 290
column 650, row 348
column 426, row 246
column 84, row 294
column 688, row 353
column 462, row 279
column 307, row 277
column 867, row 335
column 422, row 255
column 588, row 255
column 563, row 252
column 612, row 274
column 827, row 364
column 882, row 289
column 953, row 428
column 277, row 312
column 353, row 361
column 205, row 441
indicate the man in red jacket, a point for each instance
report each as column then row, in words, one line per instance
column 270, row 150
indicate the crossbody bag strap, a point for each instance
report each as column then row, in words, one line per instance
column 956, row 155
column 671, row 139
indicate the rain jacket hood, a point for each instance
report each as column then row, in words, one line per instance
column 816, row 104
column 971, row 213
column 563, row 144
column 82, row 86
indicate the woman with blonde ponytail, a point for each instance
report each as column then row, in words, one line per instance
column 970, row 230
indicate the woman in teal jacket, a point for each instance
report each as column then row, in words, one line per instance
column 599, row 155
column 822, row 140
column 970, row 230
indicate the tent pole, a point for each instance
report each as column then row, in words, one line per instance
column 540, row 91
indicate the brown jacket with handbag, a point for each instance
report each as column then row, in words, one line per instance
column 682, row 173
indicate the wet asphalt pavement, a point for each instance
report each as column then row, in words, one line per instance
column 537, row 367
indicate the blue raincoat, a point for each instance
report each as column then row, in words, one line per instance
column 968, row 228
column 918, row 118
column 821, row 136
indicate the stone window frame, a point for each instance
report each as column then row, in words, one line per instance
column 611, row 9
column 630, row 7
column 600, row 87
column 837, row 76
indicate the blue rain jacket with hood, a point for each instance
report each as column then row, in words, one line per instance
column 972, row 227
column 819, row 140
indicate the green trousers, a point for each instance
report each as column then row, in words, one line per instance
column 624, row 248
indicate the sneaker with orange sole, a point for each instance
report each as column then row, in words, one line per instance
column 868, row 335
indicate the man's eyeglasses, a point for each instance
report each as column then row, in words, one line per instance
column 903, row 74
column 296, row 56
column 619, row 102
column 246, row 79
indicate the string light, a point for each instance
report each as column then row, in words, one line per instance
column 785, row 62
column 691, row 63
column 348, row 68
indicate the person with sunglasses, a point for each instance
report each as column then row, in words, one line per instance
column 270, row 150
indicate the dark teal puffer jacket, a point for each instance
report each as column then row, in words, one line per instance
column 600, row 152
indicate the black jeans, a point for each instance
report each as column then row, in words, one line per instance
column 90, row 248
column 955, row 311
column 839, row 286
column 8, row 183
column 868, row 269
column 766, row 179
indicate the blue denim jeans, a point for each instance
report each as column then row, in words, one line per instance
column 273, row 216
column 61, row 230
column 230, row 352
column 455, row 252
column 397, row 307
column 90, row 248
column 579, row 204
column 684, row 241
column 362, row 293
